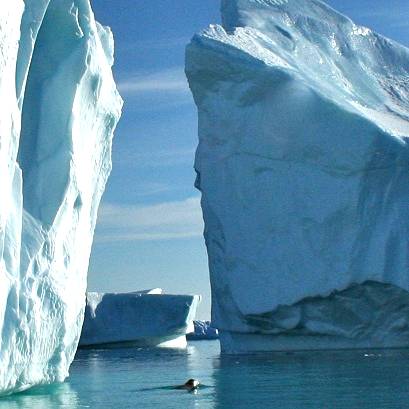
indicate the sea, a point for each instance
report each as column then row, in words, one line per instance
column 146, row 378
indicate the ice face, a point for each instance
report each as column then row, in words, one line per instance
column 302, row 163
column 56, row 130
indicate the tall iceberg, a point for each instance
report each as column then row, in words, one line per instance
column 59, row 110
column 303, row 166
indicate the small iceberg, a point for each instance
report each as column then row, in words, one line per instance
column 203, row 330
column 143, row 318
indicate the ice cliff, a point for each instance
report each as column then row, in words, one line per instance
column 144, row 318
column 59, row 110
column 303, row 166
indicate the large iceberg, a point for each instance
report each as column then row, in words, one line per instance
column 142, row 318
column 59, row 110
column 303, row 166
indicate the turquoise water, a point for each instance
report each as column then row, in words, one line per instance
column 140, row 378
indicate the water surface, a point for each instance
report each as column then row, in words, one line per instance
column 143, row 378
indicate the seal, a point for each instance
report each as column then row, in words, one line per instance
column 189, row 385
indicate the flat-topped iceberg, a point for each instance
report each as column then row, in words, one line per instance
column 59, row 110
column 303, row 166
column 145, row 318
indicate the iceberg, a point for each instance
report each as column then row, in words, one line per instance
column 144, row 318
column 303, row 167
column 60, row 108
column 203, row 330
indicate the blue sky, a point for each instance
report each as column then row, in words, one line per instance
column 149, row 233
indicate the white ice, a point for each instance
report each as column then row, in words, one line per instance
column 59, row 110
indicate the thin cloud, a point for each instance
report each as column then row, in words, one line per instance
column 155, row 44
column 167, row 81
column 159, row 159
column 163, row 221
column 152, row 189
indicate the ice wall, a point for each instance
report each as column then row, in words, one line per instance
column 59, row 110
column 303, row 166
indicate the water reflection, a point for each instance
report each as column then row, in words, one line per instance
column 334, row 380
column 45, row 397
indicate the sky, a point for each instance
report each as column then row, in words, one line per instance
column 149, row 230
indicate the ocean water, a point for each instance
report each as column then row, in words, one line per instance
column 143, row 378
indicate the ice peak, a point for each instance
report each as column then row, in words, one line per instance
column 326, row 50
column 261, row 13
